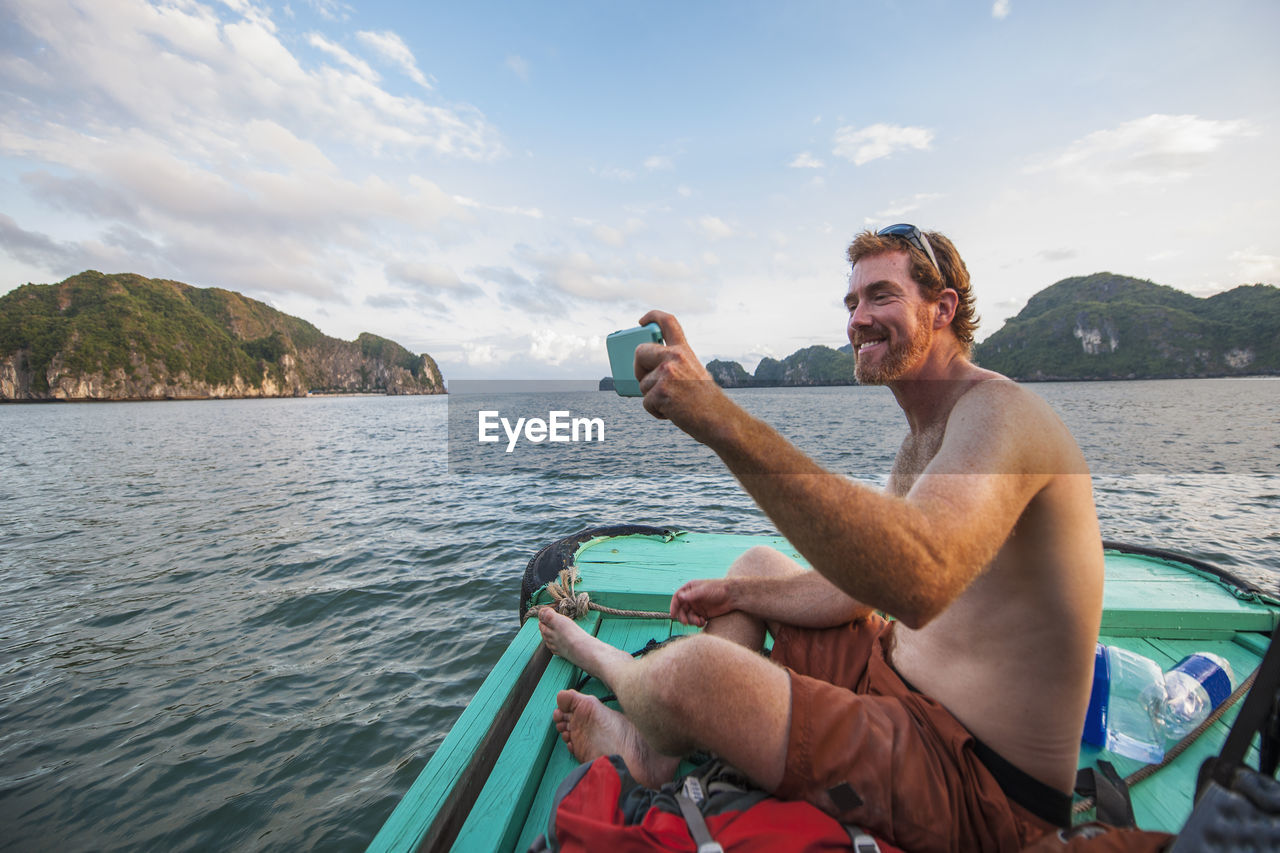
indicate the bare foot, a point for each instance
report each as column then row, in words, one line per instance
column 591, row 730
column 565, row 638
column 561, row 635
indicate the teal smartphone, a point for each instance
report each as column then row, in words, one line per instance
column 622, row 356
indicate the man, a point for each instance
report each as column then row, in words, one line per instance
column 955, row 727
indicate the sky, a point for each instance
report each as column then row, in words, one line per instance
column 503, row 184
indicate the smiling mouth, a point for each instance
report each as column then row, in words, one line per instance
column 869, row 346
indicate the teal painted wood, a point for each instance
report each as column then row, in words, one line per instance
column 629, row 635
column 407, row 827
column 1147, row 596
column 1160, row 611
column 501, row 809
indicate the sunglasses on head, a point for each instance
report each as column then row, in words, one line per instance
column 914, row 236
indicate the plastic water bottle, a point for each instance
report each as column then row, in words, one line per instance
column 1195, row 686
column 1135, row 708
column 1127, row 687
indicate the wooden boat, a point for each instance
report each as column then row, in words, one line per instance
column 489, row 785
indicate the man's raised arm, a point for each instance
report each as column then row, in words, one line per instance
column 910, row 556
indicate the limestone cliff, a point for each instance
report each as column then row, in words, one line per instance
column 125, row 337
column 1106, row 326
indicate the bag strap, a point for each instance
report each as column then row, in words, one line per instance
column 1109, row 791
column 1260, row 713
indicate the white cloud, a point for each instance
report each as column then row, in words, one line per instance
column 903, row 206
column 330, row 10
column 480, row 355
column 659, row 163
column 514, row 210
column 861, row 146
column 1255, row 267
column 614, row 173
column 194, row 136
column 519, row 66
column 1152, row 150
column 714, row 227
column 609, row 235
column 1000, row 9
column 684, row 192
column 392, row 48
column 429, row 277
column 578, row 274
column 344, row 56
column 555, row 348
column 805, row 160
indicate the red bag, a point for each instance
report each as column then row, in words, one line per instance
column 601, row 807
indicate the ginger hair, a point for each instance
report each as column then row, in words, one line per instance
column 953, row 274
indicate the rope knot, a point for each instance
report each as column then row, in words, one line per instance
column 566, row 600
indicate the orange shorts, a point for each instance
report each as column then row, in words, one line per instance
column 866, row 747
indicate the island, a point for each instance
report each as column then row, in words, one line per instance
column 96, row 336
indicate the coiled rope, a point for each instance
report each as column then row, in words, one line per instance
column 567, row 601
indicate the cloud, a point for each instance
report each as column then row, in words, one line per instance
column 1256, row 267
column 430, row 278
column 555, row 348
column 901, row 207
column 613, row 173
column 343, row 56
column 714, row 228
column 578, row 274
column 210, row 143
column 330, row 10
column 36, row 249
column 659, row 163
column 1000, row 9
column 519, row 66
column 1057, row 254
column 861, row 146
column 530, row 212
column 805, row 160
column 392, row 48
column 1152, row 150
column 519, row 293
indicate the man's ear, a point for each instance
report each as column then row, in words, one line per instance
column 948, row 300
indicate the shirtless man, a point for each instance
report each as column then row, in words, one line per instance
column 958, row 725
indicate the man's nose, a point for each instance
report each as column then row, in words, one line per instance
column 861, row 317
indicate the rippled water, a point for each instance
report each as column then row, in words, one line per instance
column 248, row 624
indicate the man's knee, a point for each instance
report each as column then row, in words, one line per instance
column 679, row 673
column 763, row 561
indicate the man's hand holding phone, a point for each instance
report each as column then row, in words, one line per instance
column 674, row 383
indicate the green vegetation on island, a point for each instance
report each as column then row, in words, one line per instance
column 1107, row 326
column 114, row 337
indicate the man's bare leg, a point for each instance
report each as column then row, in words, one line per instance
column 700, row 693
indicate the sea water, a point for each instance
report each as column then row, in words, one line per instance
column 248, row 624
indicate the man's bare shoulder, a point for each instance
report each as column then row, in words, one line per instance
column 996, row 412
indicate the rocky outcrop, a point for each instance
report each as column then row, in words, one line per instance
column 124, row 337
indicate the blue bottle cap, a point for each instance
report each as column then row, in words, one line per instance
column 1095, row 721
column 1206, row 671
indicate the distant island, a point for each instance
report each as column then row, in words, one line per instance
column 1101, row 326
column 1106, row 326
column 125, row 337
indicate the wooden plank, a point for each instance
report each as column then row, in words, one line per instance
column 437, row 793
column 500, row 810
